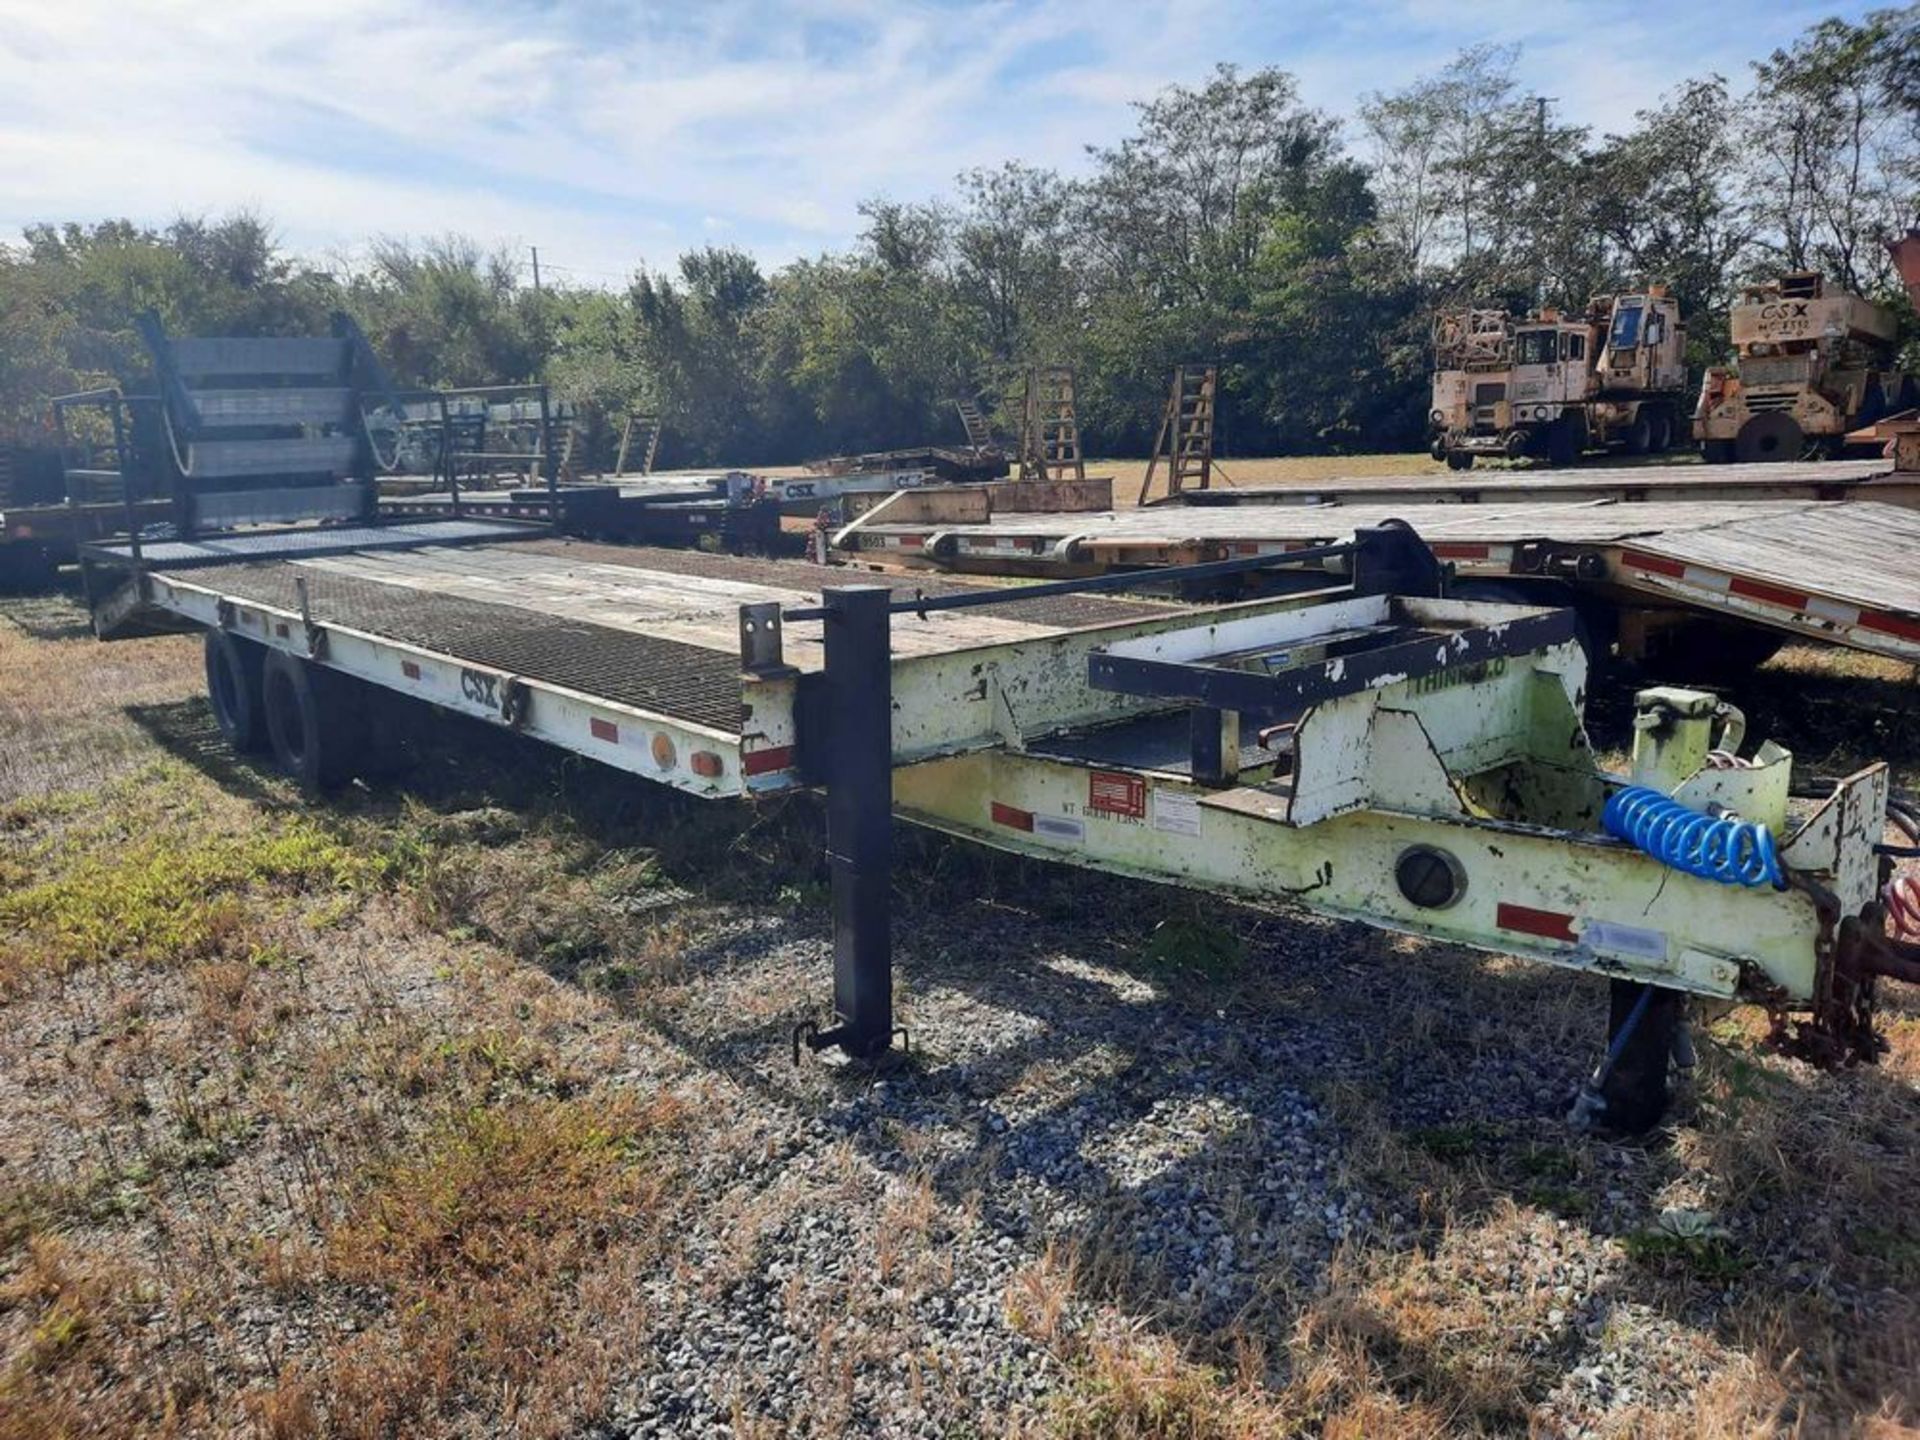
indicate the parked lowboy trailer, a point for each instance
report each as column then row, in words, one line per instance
column 1372, row 749
column 1874, row 479
column 1711, row 586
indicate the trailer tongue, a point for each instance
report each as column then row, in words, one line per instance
column 1369, row 748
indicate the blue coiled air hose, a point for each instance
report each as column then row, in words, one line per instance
column 1722, row 848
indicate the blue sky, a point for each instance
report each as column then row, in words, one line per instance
column 613, row 135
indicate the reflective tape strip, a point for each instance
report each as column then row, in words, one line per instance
column 1012, row 817
column 1795, row 600
column 1653, row 564
column 1886, row 624
column 1548, row 924
column 604, row 730
column 759, row 762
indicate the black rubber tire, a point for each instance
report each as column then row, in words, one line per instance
column 1717, row 452
column 311, row 722
column 1636, row 1088
column 1458, row 461
column 234, row 667
column 1662, row 438
column 1769, row 437
column 1712, row 652
column 1875, row 405
column 1563, row 442
column 1639, row 434
column 27, row 568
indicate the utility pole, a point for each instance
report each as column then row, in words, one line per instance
column 536, row 268
column 1540, row 103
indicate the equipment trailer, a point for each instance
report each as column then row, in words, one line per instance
column 1734, row 576
column 1371, row 748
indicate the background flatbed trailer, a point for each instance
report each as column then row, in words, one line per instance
column 36, row 538
column 740, row 510
column 1846, row 573
column 1872, row 479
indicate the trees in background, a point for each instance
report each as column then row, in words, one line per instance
column 1233, row 226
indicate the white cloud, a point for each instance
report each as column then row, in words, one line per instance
column 614, row 134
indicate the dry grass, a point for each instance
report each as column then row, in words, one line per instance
column 380, row 1119
column 501, row 1241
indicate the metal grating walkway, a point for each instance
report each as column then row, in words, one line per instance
column 687, row 681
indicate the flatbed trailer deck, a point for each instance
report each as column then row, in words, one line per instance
column 1841, row 572
column 628, row 655
column 1371, row 748
column 1872, row 479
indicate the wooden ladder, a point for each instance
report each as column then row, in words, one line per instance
column 1186, row 433
column 647, row 428
column 974, row 419
column 1050, row 449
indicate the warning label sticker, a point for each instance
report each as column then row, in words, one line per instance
column 1112, row 792
column 1625, row 940
column 1059, row 827
column 1176, row 812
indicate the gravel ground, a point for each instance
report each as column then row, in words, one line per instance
column 1127, row 1117
column 1055, row 1103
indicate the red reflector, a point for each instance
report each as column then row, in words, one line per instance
column 759, row 762
column 409, row 669
column 1658, row 564
column 912, row 542
column 1771, row 594
column 1889, row 624
column 705, row 762
column 604, row 730
column 1462, row 552
column 1548, row 924
column 1012, row 818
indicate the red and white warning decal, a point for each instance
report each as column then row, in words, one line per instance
column 1114, row 792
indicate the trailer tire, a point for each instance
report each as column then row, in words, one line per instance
column 1769, row 437
column 1458, row 460
column 1662, row 422
column 311, row 721
column 1636, row 1087
column 1563, row 444
column 1640, row 433
column 1712, row 652
column 27, row 568
column 234, row 691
